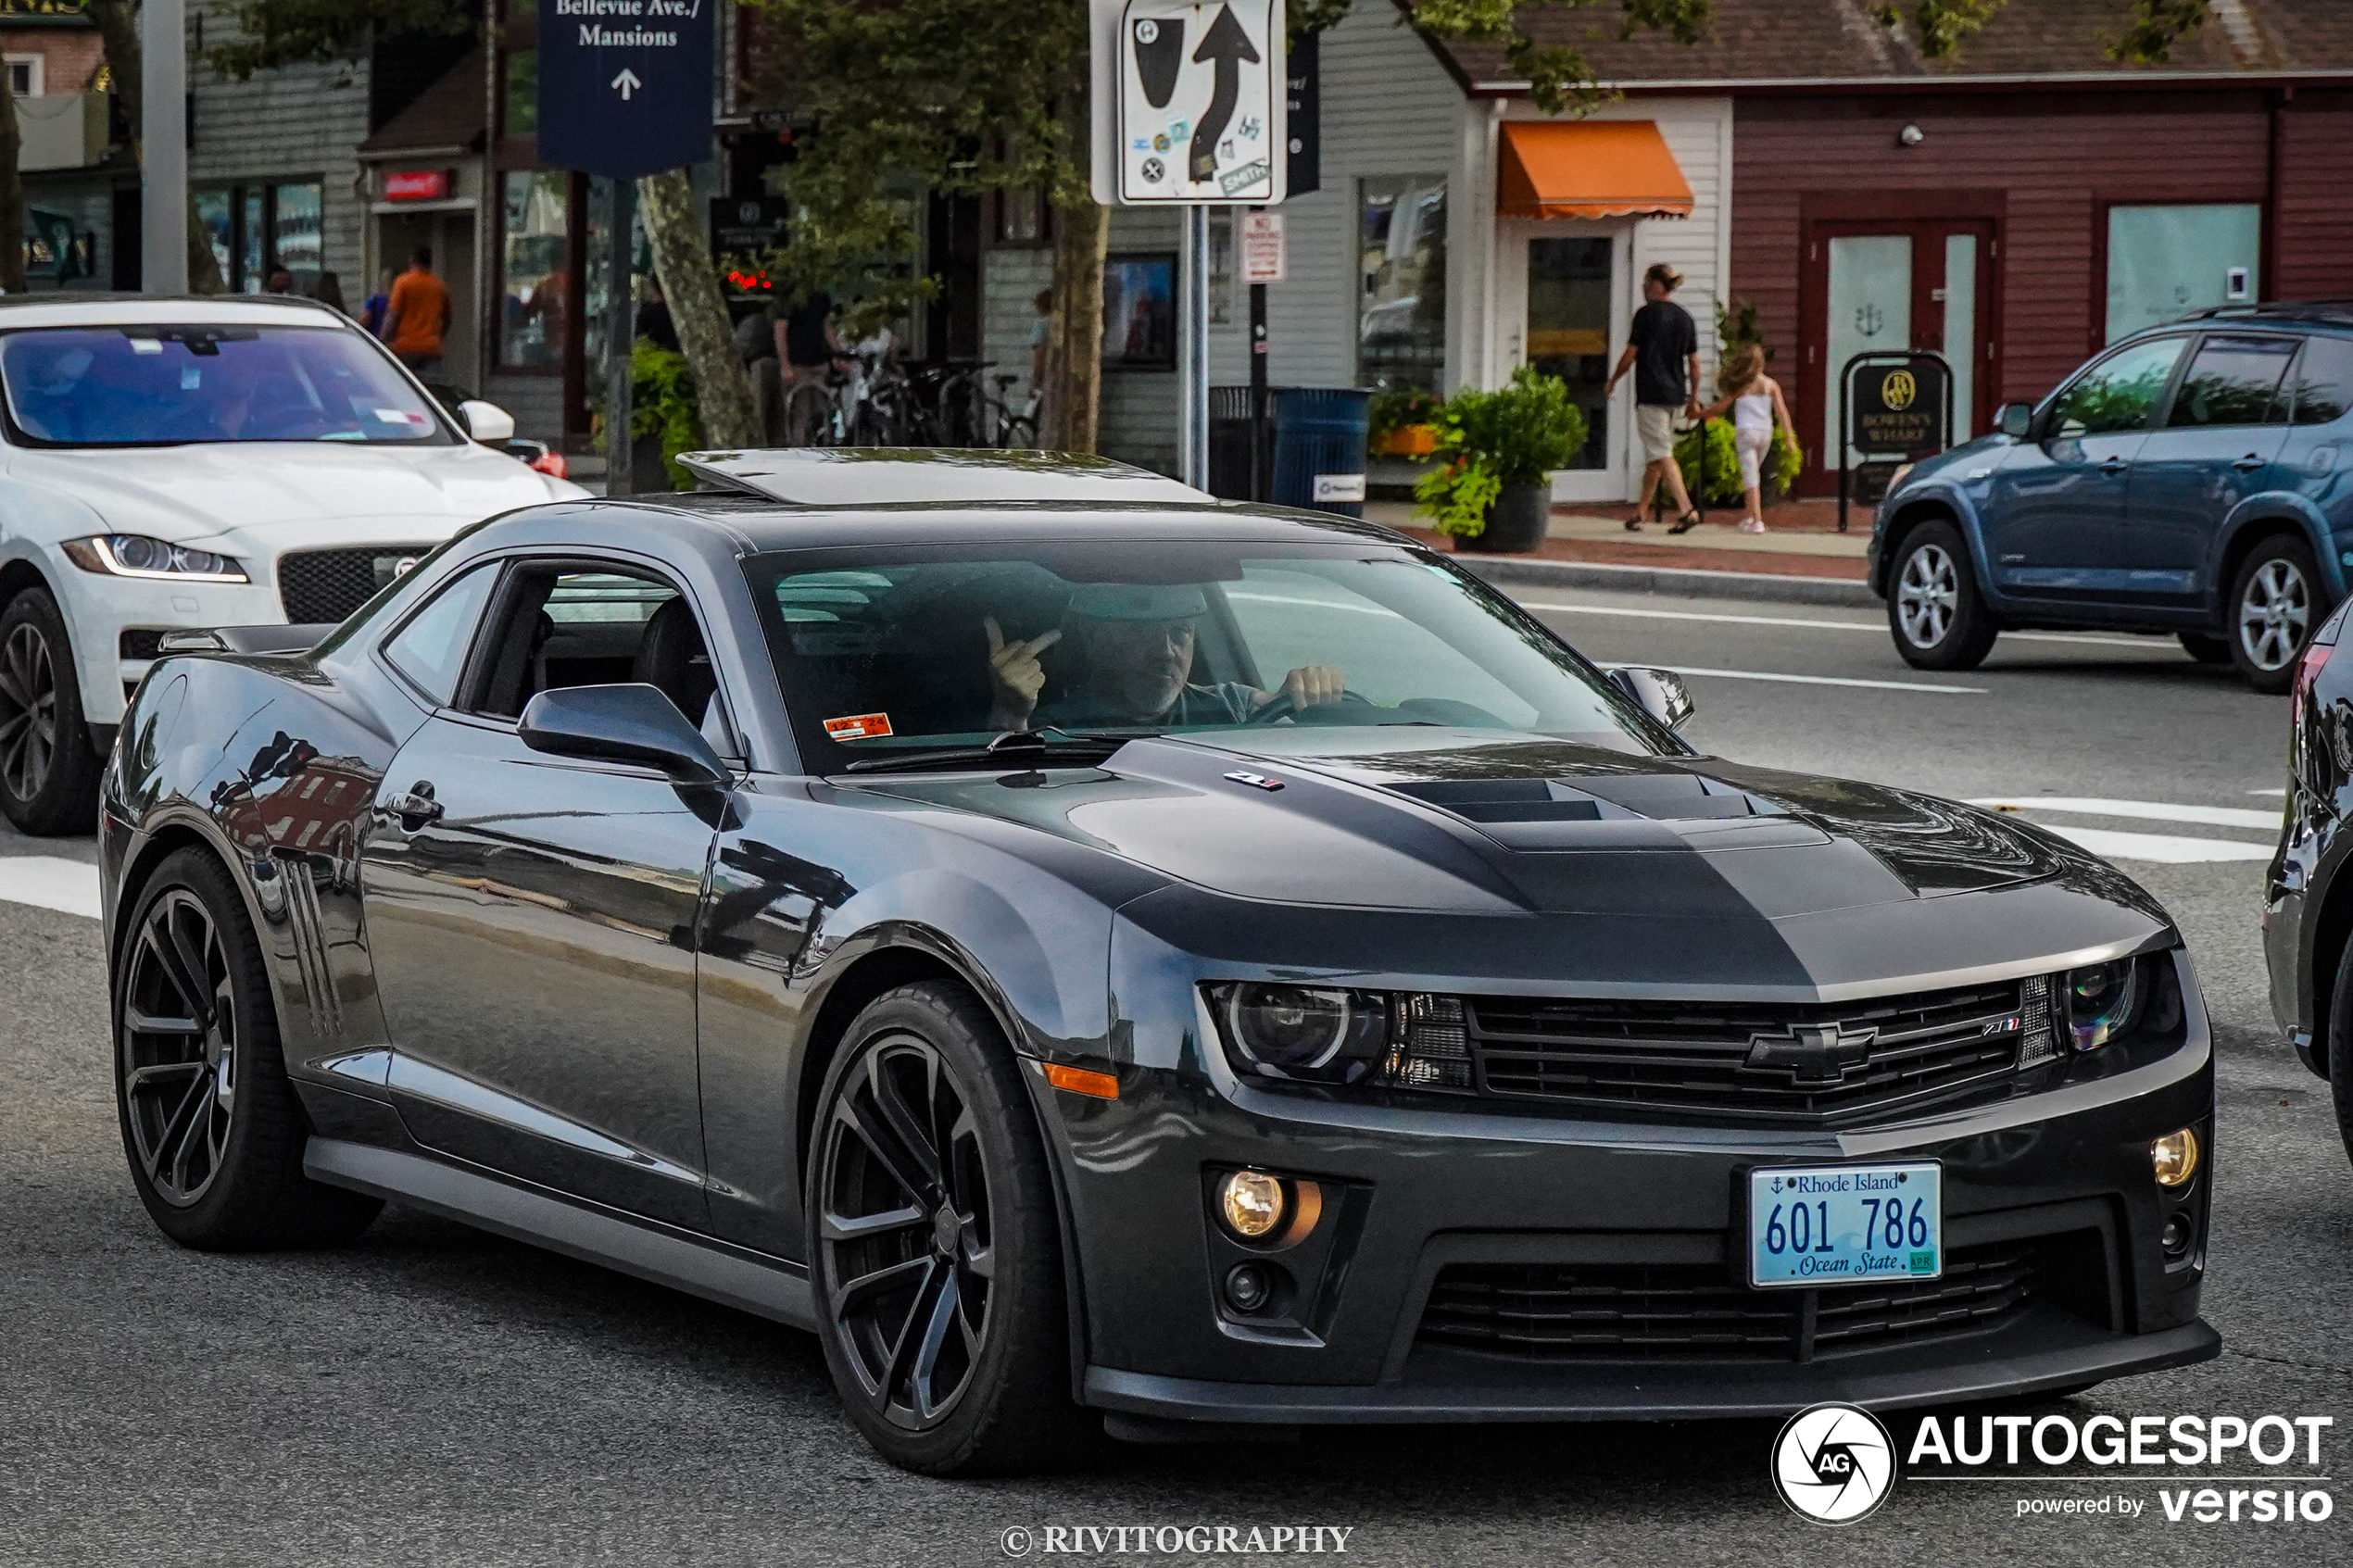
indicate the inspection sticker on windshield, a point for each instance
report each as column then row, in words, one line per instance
column 859, row 726
column 1833, row 1224
column 400, row 417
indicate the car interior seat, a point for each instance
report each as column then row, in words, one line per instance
column 671, row 656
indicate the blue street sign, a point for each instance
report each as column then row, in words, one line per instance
column 624, row 85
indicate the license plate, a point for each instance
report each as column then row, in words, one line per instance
column 1842, row 1225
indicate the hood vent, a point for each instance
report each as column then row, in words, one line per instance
column 1624, row 810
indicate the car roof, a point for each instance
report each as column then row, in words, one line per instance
column 143, row 309
column 883, row 475
column 759, row 525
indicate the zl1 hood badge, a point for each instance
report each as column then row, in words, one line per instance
column 1255, row 781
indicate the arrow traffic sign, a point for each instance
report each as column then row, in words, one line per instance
column 1195, row 96
column 625, row 85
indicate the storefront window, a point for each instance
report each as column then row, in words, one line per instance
column 215, row 211
column 1401, row 329
column 1568, row 328
column 294, row 239
column 2164, row 262
column 535, row 257
column 256, row 230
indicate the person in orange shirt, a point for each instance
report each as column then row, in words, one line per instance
column 418, row 315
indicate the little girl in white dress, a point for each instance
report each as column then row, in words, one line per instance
column 1754, row 400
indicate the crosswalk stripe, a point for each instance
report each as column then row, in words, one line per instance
column 1814, row 623
column 45, row 882
column 1822, row 680
column 2142, row 810
column 2164, row 849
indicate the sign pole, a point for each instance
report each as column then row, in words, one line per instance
column 1195, row 422
column 621, row 336
column 163, row 162
column 1258, row 412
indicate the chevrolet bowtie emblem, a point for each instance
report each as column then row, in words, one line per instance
column 1813, row 1053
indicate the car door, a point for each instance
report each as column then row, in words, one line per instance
column 532, row 917
column 2057, row 498
column 2216, row 445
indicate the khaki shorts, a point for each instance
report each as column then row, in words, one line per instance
column 1654, row 427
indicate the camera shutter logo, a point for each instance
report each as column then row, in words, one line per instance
column 1833, row 1465
column 1898, row 390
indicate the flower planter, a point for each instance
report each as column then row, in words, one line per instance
column 1517, row 523
column 1406, row 441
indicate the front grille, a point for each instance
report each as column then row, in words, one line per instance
column 321, row 587
column 1694, row 1311
column 1685, row 1058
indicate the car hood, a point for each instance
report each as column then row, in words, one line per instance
column 201, row 494
column 1482, row 821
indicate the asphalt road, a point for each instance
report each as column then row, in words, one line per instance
column 432, row 1394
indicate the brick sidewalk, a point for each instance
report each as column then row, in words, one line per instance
column 1801, row 541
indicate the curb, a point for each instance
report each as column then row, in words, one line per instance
column 1671, row 580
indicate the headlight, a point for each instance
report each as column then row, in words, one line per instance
column 1324, row 1034
column 135, row 554
column 2102, row 1001
column 1895, row 480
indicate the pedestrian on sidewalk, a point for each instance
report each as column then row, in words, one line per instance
column 417, row 315
column 1662, row 352
column 1754, row 399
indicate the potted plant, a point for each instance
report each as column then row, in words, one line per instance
column 1498, row 450
column 1403, row 422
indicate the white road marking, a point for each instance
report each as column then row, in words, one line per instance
column 48, row 883
column 2144, row 810
column 2274, row 793
column 2162, row 847
column 1820, row 679
column 1815, row 625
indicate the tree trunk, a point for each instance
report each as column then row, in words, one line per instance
column 1074, row 333
column 690, row 285
column 12, row 229
column 117, row 24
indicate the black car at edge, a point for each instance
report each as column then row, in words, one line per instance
column 664, row 883
column 2307, row 905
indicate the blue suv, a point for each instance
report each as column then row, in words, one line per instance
column 2195, row 478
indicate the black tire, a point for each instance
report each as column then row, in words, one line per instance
column 48, row 769
column 2340, row 1046
column 1934, row 611
column 209, row 1123
column 2276, row 605
column 924, row 1069
column 2205, row 649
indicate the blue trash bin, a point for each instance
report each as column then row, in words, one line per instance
column 1321, row 437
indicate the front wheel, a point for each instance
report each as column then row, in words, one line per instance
column 934, row 1250
column 1934, row 608
column 2275, row 608
column 48, row 769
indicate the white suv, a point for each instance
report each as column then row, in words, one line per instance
column 200, row 462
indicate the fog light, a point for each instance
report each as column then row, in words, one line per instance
column 1247, row 1287
column 2175, row 1157
column 2175, row 1237
column 1252, row 1202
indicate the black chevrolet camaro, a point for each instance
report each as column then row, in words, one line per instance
column 1109, row 960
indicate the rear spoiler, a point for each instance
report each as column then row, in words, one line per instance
column 243, row 639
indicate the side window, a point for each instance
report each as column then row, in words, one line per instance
column 561, row 626
column 2234, row 380
column 2119, row 392
column 431, row 650
column 2321, row 384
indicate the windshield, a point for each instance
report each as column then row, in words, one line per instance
column 166, row 385
column 887, row 655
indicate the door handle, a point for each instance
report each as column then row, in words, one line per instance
column 2248, row 464
column 416, row 808
column 2114, row 466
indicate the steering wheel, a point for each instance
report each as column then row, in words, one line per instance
column 1286, row 706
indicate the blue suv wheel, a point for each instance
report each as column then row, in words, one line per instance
column 1939, row 619
column 2276, row 604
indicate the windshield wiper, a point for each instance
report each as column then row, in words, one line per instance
column 1016, row 748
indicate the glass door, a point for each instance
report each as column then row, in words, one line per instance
column 1889, row 287
column 1870, row 310
column 1567, row 313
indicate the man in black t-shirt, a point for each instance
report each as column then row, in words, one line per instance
column 807, row 339
column 1662, row 352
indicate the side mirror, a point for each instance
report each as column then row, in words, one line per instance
column 487, row 422
column 1660, row 693
column 622, row 723
column 2016, row 421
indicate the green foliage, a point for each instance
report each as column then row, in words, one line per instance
column 2156, row 27
column 1784, row 460
column 284, row 32
column 1516, row 434
column 1396, row 408
column 1560, row 80
column 2149, row 37
column 1736, row 328
column 661, row 401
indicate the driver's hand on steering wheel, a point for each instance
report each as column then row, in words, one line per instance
column 1310, row 686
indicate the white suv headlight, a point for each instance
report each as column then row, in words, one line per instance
column 135, row 554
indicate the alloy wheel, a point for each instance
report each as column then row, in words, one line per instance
column 905, row 1228
column 1927, row 596
column 179, row 1047
column 2274, row 612
column 27, row 712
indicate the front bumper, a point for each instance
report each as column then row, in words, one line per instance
column 2058, row 1181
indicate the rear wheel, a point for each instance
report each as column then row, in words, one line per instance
column 809, row 413
column 1934, row 608
column 2275, row 608
column 934, row 1249
column 2205, row 649
column 48, row 769
column 211, row 1123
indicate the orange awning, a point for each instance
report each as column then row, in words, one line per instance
column 1589, row 168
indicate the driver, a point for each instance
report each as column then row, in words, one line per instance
column 1135, row 649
